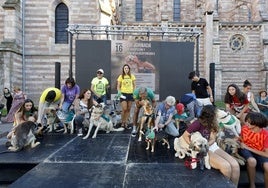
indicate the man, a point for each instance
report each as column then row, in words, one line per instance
column 99, row 86
column 201, row 89
column 140, row 94
column 50, row 96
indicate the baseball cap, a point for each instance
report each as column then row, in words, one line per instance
column 170, row 100
column 100, row 70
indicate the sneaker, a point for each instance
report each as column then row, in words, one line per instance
column 133, row 132
column 59, row 129
column 80, row 132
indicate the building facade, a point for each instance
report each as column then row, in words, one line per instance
column 33, row 36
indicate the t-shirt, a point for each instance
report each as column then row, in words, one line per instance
column 100, row 85
column 70, row 93
column 258, row 141
column 165, row 113
column 150, row 94
column 197, row 126
column 45, row 92
column 237, row 105
column 200, row 88
column 126, row 83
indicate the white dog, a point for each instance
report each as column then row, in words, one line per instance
column 101, row 121
column 198, row 145
column 229, row 121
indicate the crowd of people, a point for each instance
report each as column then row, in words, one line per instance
column 195, row 111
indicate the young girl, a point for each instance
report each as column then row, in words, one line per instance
column 254, row 145
column 207, row 125
column 126, row 84
column 27, row 112
column 236, row 102
column 83, row 109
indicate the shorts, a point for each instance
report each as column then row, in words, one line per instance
column 213, row 147
column 127, row 97
column 247, row 154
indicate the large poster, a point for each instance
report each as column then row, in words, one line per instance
column 142, row 57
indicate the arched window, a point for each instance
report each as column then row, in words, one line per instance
column 176, row 10
column 61, row 23
column 138, row 10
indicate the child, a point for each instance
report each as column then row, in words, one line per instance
column 180, row 116
column 255, row 145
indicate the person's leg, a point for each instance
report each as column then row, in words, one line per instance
column 65, row 106
column 135, row 119
column 235, row 168
column 78, row 121
column 41, row 110
column 265, row 169
column 172, row 130
column 129, row 105
column 251, row 171
column 124, row 112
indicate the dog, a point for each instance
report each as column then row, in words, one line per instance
column 67, row 120
column 231, row 146
column 198, row 146
column 51, row 118
column 147, row 119
column 101, row 121
column 23, row 135
column 228, row 121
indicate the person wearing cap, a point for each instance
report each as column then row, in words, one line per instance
column 139, row 95
column 164, row 116
column 262, row 102
column 49, row 97
column 99, row 86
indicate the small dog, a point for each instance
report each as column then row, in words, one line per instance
column 23, row 135
column 197, row 146
column 101, row 121
column 52, row 118
column 147, row 119
column 151, row 137
column 67, row 119
column 228, row 121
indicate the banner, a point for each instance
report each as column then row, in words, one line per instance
column 143, row 59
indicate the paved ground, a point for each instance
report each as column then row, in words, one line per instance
column 110, row 160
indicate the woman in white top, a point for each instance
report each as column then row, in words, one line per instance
column 250, row 96
column 83, row 110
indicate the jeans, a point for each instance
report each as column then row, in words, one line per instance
column 170, row 129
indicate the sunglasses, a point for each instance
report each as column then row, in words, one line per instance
column 99, row 72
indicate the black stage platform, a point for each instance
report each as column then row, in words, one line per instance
column 110, row 160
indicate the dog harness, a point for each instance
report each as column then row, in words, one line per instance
column 230, row 122
column 106, row 118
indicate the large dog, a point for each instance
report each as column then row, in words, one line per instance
column 101, row 121
column 23, row 135
column 198, row 146
column 228, row 121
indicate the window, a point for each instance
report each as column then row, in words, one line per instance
column 176, row 10
column 138, row 10
column 237, row 42
column 61, row 23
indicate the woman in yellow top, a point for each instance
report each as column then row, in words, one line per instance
column 49, row 97
column 126, row 83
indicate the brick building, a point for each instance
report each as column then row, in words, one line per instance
column 33, row 36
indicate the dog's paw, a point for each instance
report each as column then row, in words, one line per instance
column 208, row 166
column 94, row 136
column 176, row 155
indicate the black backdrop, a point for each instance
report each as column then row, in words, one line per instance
column 176, row 61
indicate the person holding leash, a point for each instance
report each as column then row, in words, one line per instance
column 99, row 86
column 126, row 83
column 49, row 97
column 207, row 125
column 139, row 95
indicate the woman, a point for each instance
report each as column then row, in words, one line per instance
column 18, row 99
column 164, row 116
column 236, row 102
column 126, row 83
column 262, row 101
column 83, row 110
column 207, row 125
column 69, row 93
column 246, row 89
column 8, row 97
column 27, row 112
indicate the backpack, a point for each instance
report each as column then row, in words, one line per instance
column 187, row 98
